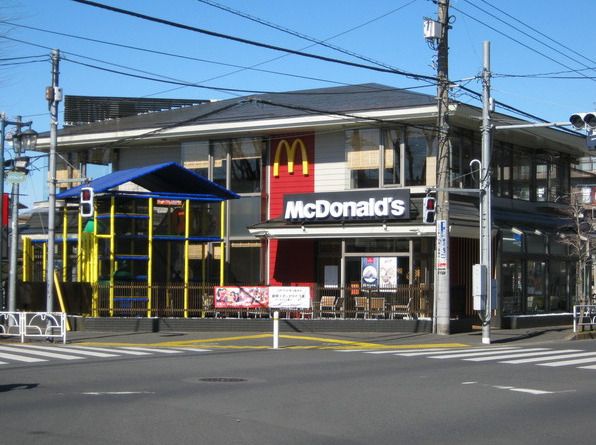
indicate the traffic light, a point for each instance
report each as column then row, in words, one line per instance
column 86, row 202
column 587, row 121
column 428, row 210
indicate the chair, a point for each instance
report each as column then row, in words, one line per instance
column 402, row 310
column 377, row 307
column 208, row 307
column 328, row 306
column 361, row 306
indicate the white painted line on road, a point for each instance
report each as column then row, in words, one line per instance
column 112, row 350
column 578, row 361
column 456, row 351
column 20, row 358
column 477, row 353
column 525, row 390
column 24, row 349
column 193, row 349
column 557, row 356
column 162, row 350
column 513, row 354
column 535, row 356
column 72, row 350
column 116, row 393
column 397, row 351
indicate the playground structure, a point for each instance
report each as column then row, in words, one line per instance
column 154, row 245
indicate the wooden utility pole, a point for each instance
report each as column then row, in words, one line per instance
column 442, row 283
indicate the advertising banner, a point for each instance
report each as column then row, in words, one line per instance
column 369, row 272
column 230, row 297
column 286, row 297
column 388, row 273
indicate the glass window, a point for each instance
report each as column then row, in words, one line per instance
column 536, row 244
column 246, row 212
column 557, row 248
column 512, row 242
column 415, row 157
column 536, row 286
column 511, row 285
column 195, row 157
column 521, row 175
column 244, row 263
column 363, row 157
column 246, row 165
column 392, row 148
column 557, row 286
column 220, row 151
column 504, row 153
column 542, row 180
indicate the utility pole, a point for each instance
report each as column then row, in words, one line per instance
column 14, row 229
column 442, row 285
column 53, row 95
column 485, row 194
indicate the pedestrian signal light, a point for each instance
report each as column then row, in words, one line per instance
column 86, row 202
column 428, row 210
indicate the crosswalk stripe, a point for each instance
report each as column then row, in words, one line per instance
column 194, row 349
column 513, row 354
column 23, row 349
column 162, row 350
column 398, row 351
column 111, row 350
column 72, row 350
column 20, row 358
column 472, row 354
column 457, row 351
column 546, row 356
column 578, row 361
column 587, row 367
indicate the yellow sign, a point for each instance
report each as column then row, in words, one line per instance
column 291, row 153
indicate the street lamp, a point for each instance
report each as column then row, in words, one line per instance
column 25, row 139
column 21, row 140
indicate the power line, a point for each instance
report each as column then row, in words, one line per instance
column 169, row 54
column 539, row 32
column 309, row 38
column 525, row 33
column 253, row 42
column 507, row 36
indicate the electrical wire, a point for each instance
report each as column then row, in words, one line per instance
column 253, row 42
column 521, row 31
column 504, row 35
column 169, row 54
column 312, row 39
column 540, row 33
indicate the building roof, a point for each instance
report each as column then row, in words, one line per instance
column 166, row 180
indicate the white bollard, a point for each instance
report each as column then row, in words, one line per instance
column 276, row 330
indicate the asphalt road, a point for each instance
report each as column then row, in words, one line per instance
column 296, row 396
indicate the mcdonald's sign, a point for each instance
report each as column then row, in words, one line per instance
column 291, row 154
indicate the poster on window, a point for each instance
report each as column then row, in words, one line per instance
column 286, row 297
column 369, row 272
column 388, row 273
column 230, row 297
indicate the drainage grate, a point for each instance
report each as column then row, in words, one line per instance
column 222, row 380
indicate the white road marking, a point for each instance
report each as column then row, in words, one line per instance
column 578, row 361
column 20, row 358
column 455, row 351
column 396, row 351
column 518, row 353
column 474, row 353
column 23, row 349
column 162, row 350
column 111, row 350
column 557, row 356
column 116, row 393
column 526, row 390
column 72, row 350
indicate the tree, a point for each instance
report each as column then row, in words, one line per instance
column 579, row 236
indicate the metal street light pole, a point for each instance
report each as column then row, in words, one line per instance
column 53, row 95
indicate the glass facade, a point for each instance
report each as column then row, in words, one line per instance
column 537, row 274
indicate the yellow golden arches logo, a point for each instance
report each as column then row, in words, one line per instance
column 291, row 153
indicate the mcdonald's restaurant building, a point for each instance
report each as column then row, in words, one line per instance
column 332, row 183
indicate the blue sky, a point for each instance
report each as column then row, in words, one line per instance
column 384, row 31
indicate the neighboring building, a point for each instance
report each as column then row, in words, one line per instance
column 332, row 181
